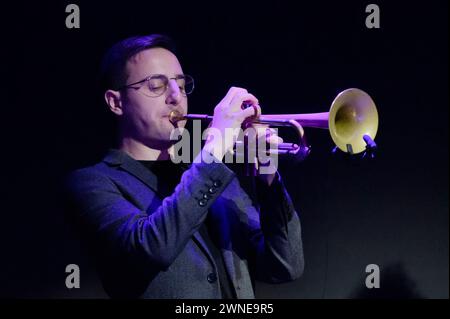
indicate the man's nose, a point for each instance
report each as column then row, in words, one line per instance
column 173, row 93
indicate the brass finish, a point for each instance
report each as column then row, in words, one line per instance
column 352, row 115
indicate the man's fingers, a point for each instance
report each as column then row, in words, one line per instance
column 257, row 110
column 274, row 139
column 232, row 92
column 242, row 97
column 246, row 113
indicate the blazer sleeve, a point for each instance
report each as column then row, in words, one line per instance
column 159, row 236
column 275, row 234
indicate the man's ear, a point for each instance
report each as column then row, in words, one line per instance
column 114, row 101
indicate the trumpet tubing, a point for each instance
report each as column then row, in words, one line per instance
column 317, row 120
column 352, row 122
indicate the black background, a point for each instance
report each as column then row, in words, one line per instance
column 295, row 57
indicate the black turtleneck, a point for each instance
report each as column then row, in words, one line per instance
column 169, row 176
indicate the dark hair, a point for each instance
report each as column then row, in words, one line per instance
column 113, row 73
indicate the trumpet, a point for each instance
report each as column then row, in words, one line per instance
column 352, row 122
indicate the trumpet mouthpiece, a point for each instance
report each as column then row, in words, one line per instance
column 175, row 116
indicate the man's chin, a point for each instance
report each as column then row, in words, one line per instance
column 165, row 144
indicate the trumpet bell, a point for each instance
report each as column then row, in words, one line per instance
column 352, row 115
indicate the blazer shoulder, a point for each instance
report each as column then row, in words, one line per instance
column 95, row 174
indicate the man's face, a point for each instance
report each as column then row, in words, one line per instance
column 145, row 118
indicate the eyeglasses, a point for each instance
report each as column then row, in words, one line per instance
column 157, row 84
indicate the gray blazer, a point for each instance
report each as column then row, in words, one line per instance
column 147, row 246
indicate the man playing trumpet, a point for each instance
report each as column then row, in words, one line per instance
column 164, row 230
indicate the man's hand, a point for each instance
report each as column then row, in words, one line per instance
column 228, row 114
column 270, row 136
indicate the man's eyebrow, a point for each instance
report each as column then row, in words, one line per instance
column 166, row 75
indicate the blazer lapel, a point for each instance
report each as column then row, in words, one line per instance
column 221, row 227
column 127, row 163
column 198, row 239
